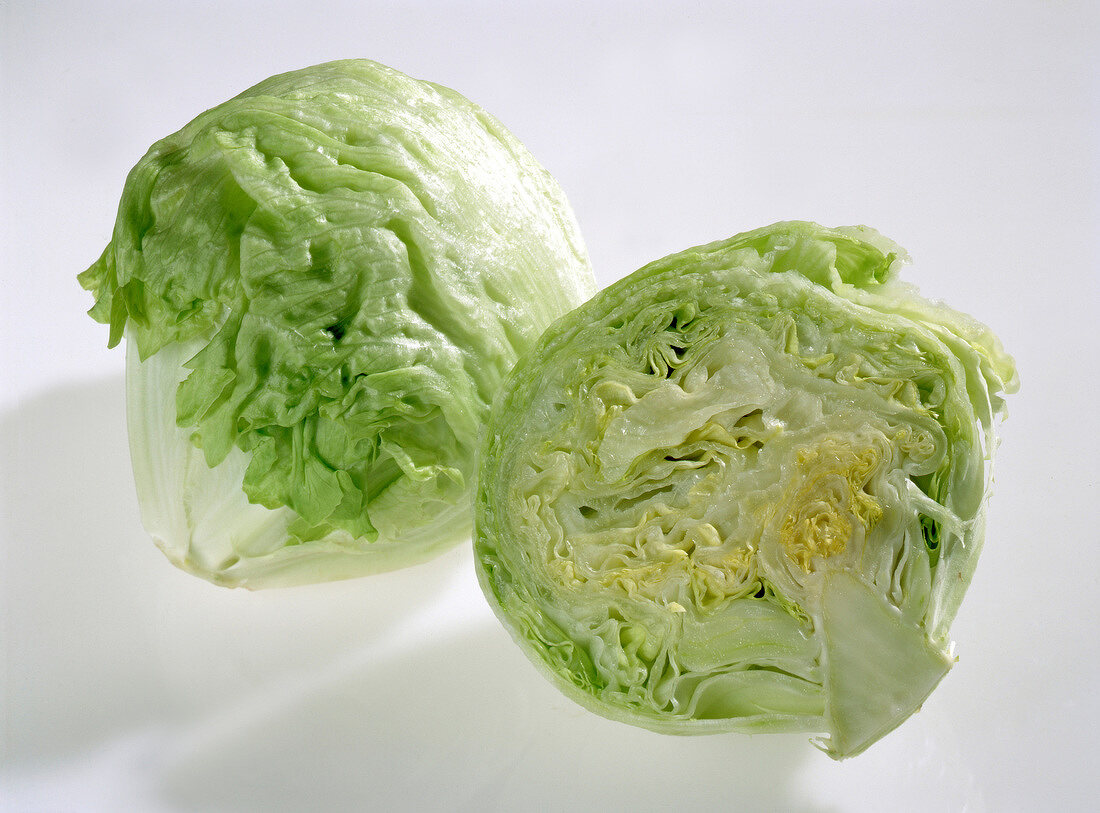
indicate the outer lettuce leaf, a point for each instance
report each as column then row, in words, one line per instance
column 743, row 489
column 323, row 282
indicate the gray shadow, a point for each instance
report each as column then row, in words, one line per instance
column 102, row 636
column 464, row 723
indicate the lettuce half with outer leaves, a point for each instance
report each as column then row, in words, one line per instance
column 322, row 283
column 744, row 489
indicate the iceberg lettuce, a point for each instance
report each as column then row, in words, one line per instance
column 322, row 283
column 744, row 489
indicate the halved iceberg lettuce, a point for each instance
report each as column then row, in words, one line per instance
column 744, row 488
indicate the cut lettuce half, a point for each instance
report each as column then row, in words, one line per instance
column 744, row 488
column 322, row 283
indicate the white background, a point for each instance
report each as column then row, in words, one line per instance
column 968, row 132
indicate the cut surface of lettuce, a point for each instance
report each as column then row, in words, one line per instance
column 322, row 283
column 743, row 489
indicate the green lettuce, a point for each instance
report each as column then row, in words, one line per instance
column 744, row 489
column 322, row 283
